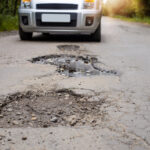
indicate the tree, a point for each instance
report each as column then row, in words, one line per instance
column 9, row 7
column 128, row 8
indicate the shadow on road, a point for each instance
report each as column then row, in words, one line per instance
column 61, row 38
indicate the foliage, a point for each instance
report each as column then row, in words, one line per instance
column 134, row 19
column 8, row 12
column 129, row 8
column 8, row 23
column 9, row 7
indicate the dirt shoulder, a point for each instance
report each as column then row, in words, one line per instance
column 8, row 33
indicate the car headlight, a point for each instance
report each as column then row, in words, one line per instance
column 88, row 4
column 26, row 3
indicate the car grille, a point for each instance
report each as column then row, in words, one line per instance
column 57, row 6
column 72, row 23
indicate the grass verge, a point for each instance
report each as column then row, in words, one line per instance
column 145, row 20
column 8, row 23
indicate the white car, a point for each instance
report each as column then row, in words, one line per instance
column 60, row 17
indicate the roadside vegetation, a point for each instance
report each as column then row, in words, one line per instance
column 8, row 22
column 8, row 15
column 128, row 10
column 145, row 20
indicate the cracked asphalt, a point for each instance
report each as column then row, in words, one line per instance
column 125, row 47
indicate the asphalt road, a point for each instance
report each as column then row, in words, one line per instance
column 125, row 48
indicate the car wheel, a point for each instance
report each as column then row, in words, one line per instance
column 25, row 35
column 96, row 36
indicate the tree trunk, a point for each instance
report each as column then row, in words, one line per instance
column 6, row 6
column 15, row 7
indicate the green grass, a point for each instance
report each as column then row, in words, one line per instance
column 8, row 23
column 134, row 19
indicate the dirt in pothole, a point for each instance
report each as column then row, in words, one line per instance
column 74, row 66
column 53, row 109
column 68, row 47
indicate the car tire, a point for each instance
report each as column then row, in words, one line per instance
column 96, row 36
column 45, row 34
column 25, row 35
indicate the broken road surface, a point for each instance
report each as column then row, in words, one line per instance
column 64, row 93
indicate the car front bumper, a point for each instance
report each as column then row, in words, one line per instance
column 79, row 28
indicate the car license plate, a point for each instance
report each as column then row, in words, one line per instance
column 56, row 18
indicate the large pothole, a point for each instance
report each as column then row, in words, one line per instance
column 74, row 66
column 51, row 109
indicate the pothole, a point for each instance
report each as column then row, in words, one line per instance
column 74, row 66
column 52, row 109
column 68, row 47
